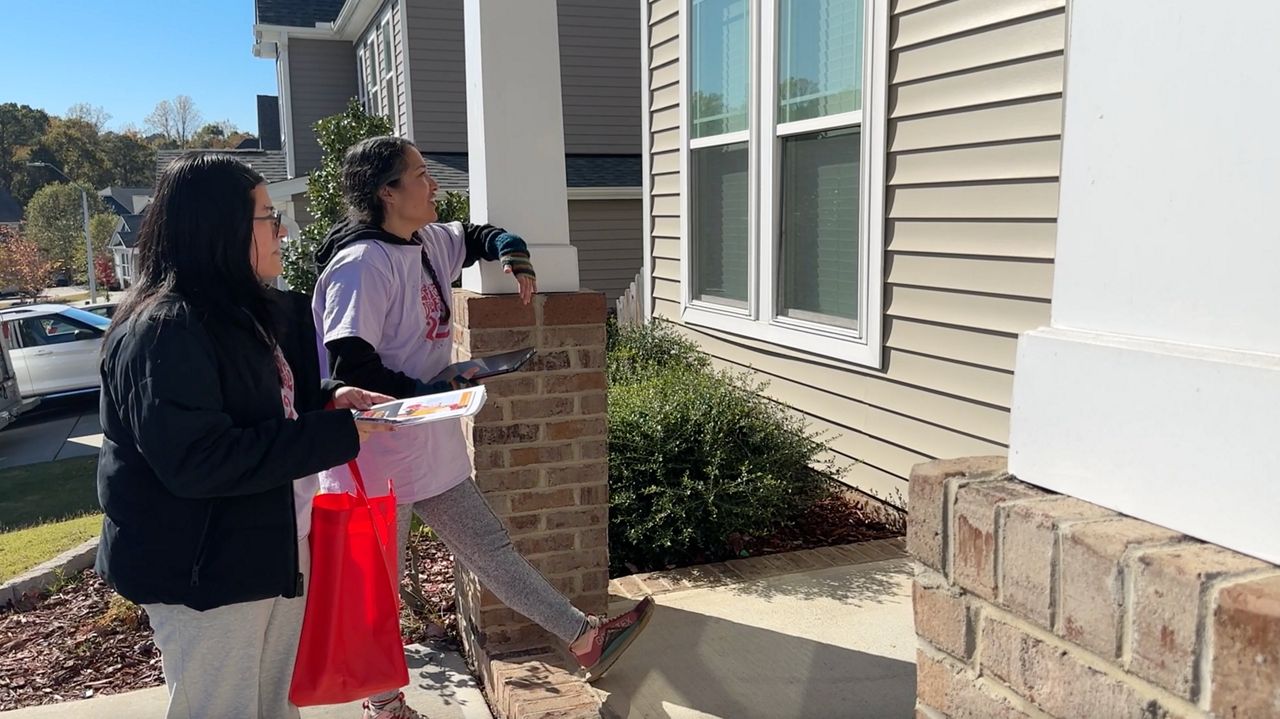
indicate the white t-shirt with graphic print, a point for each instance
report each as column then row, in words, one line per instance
column 382, row 294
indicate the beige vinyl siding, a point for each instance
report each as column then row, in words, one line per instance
column 436, row 40
column 600, row 75
column 607, row 236
column 389, row 19
column 322, row 78
column 974, row 139
column 397, row 54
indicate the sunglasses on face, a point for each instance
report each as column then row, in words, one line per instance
column 276, row 218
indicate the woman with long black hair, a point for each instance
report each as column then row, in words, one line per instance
column 214, row 423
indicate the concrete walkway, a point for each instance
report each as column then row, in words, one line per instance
column 61, row 435
column 441, row 688
column 822, row 644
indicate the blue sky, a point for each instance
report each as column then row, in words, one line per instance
column 127, row 55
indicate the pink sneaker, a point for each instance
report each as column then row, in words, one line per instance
column 397, row 709
column 612, row 638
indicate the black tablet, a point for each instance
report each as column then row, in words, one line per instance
column 490, row 366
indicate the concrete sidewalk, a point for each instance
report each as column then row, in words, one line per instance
column 440, row 688
column 63, row 435
column 821, row 644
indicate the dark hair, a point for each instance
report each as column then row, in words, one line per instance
column 370, row 165
column 196, row 241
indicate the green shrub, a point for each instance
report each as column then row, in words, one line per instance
column 697, row 456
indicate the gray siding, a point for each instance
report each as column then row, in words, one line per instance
column 974, row 129
column 437, row 74
column 600, row 76
column 322, row 77
column 607, row 234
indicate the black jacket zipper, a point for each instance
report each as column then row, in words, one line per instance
column 200, row 547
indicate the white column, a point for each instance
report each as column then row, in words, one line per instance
column 1156, row 389
column 515, row 136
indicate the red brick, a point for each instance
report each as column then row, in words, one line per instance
column 577, row 428
column 595, row 581
column 593, row 538
column 592, row 473
column 569, row 383
column 575, row 519
column 1168, row 586
column 507, row 434
column 927, row 497
column 542, row 407
column 579, row 308
column 1246, row 650
column 949, row 690
column 546, row 543
column 974, row 535
column 577, row 560
column 523, row 524
column 490, row 459
column 591, row 359
column 483, row 342
column 491, row 412
column 549, row 362
column 1058, row 681
column 510, row 480
column 535, row 500
column 557, row 337
column 525, row 456
column 514, row 386
column 593, row 494
column 497, row 311
column 1091, row 574
column 1026, row 551
column 941, row 616
column 596, row 403
column 593, row 449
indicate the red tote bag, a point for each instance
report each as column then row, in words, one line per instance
column 350, row 646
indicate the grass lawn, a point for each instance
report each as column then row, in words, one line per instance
column 47, row 492
column 25, row 548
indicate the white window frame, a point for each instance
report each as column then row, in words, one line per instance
column 759, row 319
column 375, row 62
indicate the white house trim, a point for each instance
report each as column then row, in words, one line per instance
column 605, row 193
column 646, row 166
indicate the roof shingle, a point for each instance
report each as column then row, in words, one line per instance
column 271, row 164
column 297, row 13
column 451, row 170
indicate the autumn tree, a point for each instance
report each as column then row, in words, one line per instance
column 22, row 264
column 55, row 223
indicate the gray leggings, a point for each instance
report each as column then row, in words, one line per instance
column 473, row 533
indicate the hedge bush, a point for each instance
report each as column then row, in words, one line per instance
column 697, row 456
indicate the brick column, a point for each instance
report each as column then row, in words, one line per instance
column 541, row 454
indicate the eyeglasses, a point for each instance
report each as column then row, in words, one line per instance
column 276, row 218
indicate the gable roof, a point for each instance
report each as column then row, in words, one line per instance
column 127, row 228
column 297, row 13
column 10, row 210
column 126, row 200
column 450, row 169
column 271, row 164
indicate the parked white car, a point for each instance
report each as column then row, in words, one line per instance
column 54, row 348
column 12, row 403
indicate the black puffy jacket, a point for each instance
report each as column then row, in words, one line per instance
column 198, row 460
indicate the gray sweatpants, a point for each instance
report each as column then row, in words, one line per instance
column 232, row 661
column 473, row 533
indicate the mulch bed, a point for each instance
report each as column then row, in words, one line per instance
column 82, row 639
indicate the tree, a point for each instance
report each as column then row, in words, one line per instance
column 55, row 223
column 336, row 134
column 22, row 264
column 101, row 228
column 104, row 270
column 92, row 114
column 131, row 162
column 21, row 127
column 176, row 120
column 75, row 148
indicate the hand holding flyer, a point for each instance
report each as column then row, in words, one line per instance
column 427, row 408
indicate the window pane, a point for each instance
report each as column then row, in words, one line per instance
column 818, row 271
column 720, row 73
column 386, row 49
column 820, row 58
column 719, row 223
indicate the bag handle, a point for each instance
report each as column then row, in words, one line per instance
column 364, row 498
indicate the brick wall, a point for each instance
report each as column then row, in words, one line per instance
column 540, row 450
column 1033, row 604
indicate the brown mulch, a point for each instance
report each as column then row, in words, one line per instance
column 82, row 639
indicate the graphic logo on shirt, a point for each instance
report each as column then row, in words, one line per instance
column 433, row 309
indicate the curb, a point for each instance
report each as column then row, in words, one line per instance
column 34, row 581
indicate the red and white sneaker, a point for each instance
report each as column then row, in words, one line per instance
column 612, row 638
column 397, row 709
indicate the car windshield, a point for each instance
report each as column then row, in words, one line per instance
column 88, row 318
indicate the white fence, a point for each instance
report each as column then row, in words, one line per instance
column 630, row 305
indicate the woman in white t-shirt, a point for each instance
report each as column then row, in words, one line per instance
column 383, row 308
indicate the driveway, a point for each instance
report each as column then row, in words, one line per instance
column 57, row 429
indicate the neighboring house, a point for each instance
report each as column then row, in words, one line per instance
column 269, row 163
column 866, row 219
column 123, row 247
column 126, row 200
column 10, row 210
column 405, row 59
